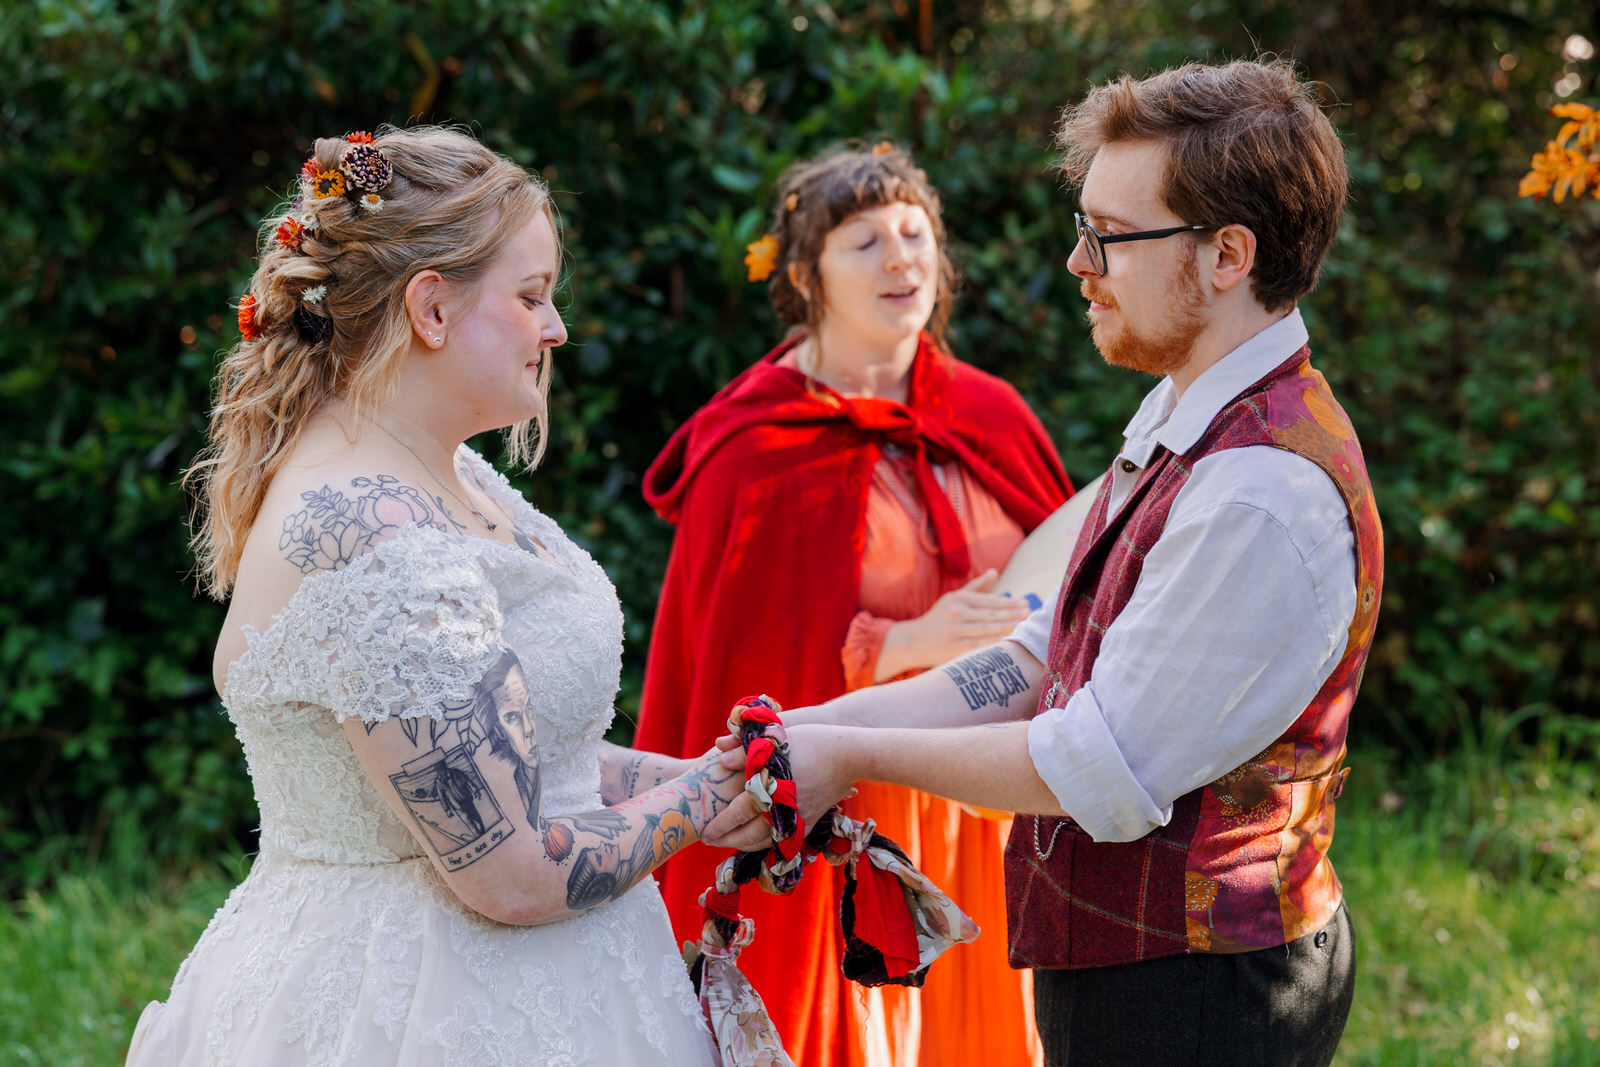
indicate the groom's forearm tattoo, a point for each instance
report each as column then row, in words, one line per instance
column 987, row 678
column 606, row 868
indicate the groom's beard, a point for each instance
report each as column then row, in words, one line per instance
column 1123, row 344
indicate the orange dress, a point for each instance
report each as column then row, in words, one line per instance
column 974, row 1008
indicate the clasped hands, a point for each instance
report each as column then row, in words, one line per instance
column 819, row 759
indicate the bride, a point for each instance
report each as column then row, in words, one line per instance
column 453, row 864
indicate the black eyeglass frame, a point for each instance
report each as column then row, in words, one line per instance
column 1094, row 241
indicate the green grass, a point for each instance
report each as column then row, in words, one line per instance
column 79, row 961
column 1474, row 886
column 1475, row 890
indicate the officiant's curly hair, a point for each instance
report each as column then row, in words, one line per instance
column 325, row 314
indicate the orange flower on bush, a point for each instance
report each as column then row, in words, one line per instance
column 247, row 317
column 1571, row 162
column 762, row 257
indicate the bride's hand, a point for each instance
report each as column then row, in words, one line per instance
column 819, row 760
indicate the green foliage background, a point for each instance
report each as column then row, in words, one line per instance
column 143, row 143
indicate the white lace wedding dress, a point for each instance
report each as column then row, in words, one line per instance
column 344, row 946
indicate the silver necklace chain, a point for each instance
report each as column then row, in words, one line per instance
column 481, row 516
column 1045, row 853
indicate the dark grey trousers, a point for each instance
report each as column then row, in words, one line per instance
column 1275, row 1007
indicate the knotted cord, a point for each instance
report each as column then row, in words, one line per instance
column 895, row 921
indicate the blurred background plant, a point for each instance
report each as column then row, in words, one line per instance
column 143, row 143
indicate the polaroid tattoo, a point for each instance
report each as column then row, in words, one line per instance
column 986, row 678
column 333, row 529
column 453, row 806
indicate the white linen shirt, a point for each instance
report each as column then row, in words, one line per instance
column 1240, row 614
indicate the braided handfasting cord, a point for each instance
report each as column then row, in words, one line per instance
column 895, row 920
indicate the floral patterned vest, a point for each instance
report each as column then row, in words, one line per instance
column 1242, row 864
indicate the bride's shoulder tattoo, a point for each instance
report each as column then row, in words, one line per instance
column 335, row 527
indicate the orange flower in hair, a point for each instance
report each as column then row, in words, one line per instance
column 290, row 233
column 311, row 168
column 791, row 201
column 327, row 183
column 761, row 257
column 883, row 148
column 247, row 317
column 359, row 137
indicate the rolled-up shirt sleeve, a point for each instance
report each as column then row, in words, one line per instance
column 1033, row 633
column 1240, row 614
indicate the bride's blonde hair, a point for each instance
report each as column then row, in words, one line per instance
column 329, row 312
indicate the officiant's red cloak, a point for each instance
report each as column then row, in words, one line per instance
column 767, row 485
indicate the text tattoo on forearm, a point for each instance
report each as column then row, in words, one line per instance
column 986, row 678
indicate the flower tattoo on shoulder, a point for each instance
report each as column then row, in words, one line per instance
column 333, row 528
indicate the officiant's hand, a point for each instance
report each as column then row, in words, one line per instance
column 820, row 758
column 960, row 621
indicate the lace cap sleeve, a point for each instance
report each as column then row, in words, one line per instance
column 406, row 630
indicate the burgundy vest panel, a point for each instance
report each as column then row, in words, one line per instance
column 1242, row 864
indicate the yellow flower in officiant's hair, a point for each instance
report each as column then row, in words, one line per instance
column 762, row 257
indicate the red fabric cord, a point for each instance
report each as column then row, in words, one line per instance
column 882, row 913
column 883, row 920
column 725, row 905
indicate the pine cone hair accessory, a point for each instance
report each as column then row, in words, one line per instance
column 366, row 166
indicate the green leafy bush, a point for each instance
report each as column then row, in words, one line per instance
column 143, row 143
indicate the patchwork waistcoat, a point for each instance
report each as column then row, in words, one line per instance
column 1242, row 864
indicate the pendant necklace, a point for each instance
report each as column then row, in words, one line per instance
column 481, row 516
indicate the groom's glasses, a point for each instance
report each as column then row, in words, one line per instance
column 1094, row 242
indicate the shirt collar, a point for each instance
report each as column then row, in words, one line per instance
column 1176, row 423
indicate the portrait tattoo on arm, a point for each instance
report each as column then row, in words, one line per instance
column 333, row 529
column 987, row 678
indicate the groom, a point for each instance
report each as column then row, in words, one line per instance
column 1172, row 727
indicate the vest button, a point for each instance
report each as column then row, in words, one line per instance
column 1129, row 466
column 1072, row 625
